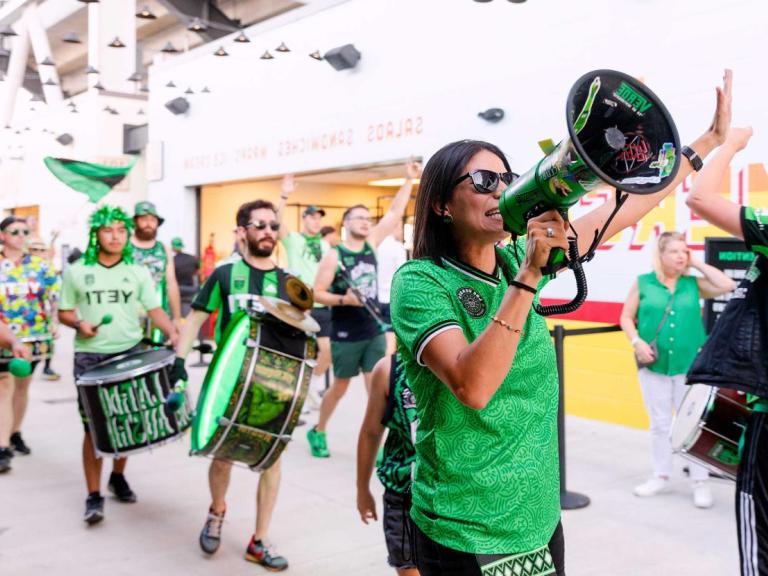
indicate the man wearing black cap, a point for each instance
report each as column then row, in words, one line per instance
column 303, row 251
column 149, row 252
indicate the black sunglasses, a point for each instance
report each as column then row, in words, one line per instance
column 262, row 224
column 19, row 231
column 486, row 181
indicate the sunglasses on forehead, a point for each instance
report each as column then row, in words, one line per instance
column 487, row 181
column 262, row 224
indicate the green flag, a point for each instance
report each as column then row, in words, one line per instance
column 93, row 180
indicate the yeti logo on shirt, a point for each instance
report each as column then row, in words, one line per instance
column 472, row 301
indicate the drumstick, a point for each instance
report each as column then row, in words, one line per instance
column 20, row 368
column 175, row 399
column 375, row 314
column 106, row 319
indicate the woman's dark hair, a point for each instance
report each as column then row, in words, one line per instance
column 432, row 237
column 244, row 212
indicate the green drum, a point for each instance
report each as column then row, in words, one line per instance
column 254, row 390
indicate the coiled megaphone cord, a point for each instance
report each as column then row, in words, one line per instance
column 581, row 285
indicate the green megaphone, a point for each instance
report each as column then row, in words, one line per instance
column 619, row 134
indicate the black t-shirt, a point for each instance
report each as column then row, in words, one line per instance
column 186, row 268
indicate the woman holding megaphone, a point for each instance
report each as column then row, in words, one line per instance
column 481, row 364
column 18, row 366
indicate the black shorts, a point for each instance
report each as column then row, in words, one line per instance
column 386, row 316
column 4, row 367
column 398, row 530
column 434, row 559
column 323, row 317
column 84, row 361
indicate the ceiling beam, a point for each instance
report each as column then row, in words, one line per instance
column 219, row 24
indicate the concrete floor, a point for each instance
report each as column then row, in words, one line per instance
column 316, row 525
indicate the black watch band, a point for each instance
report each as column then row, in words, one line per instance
column 694, row 158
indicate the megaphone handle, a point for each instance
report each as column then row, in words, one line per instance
column 581, row 286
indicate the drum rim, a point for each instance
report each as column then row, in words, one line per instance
column 692, row 436
column 146, row 369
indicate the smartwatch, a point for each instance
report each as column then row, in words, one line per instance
column 694, row 158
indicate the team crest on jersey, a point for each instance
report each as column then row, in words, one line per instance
column 472, row 301
column 90, row 279
column 239, row 282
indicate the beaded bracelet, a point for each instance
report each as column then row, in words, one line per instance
column 503, row 324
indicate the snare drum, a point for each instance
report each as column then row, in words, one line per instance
column 253, row 392
column 40, row 347
column 124, row 400
column 708, row 427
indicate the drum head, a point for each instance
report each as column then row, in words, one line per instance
column 126, row 366
column 289, row 314
column 220, row 381
column 690, row 413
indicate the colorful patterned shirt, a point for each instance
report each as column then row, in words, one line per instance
column 155, row 259
column 486, row 481
column 27, row 288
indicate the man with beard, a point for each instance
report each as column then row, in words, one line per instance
column 235, row 286
column 149, row 252
column 107, row 281
column 346, row 274
column 303, row 251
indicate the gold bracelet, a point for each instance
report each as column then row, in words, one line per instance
column 503, row 324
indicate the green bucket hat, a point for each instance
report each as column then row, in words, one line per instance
column 177, row 243
column 147, row 208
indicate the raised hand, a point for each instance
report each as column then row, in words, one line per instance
column 721, row 123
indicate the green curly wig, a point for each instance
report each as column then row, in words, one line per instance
column 104, row 216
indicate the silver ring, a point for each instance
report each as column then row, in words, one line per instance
column 550, row 233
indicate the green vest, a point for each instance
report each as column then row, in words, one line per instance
column 682, row 334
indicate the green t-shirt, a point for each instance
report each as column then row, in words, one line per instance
column 682, row 334
column 400, row 420
column 155, row 259
column 486, row 481
column 303, row 254
column 232, row 287
column 754, row 225
column 123, row 291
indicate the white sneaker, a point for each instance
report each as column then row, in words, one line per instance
column 702, row 495
column 652, row 487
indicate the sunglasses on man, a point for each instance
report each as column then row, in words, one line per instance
column 262, row 224
column 487, row 181
column 19, row 232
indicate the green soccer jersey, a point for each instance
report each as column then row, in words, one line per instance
column 234, row 286
column 122, row 291
column 303, row 254
column 400, row 421
column 486, row 481
column 155, row 259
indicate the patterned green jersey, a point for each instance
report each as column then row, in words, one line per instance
column 486, row 481
column 232, row 287
column 303, row 254
column 754, row 225
column 400, row 421
column 155, row 259
column 122, row 291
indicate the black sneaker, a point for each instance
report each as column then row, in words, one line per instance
column 19, row 445
column 50, row 374
column 5, row 459
column 94, row 508
column 257, row 552
column 119, row 487
column 210, row 536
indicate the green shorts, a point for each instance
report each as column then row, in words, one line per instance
column 351, row 357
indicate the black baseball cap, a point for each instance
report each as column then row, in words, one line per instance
column 8, row 220
column 309, row 210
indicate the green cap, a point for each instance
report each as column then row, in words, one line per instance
column 177, row 243
column 144, row 208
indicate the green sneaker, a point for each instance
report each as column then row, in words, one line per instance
column 317, row 444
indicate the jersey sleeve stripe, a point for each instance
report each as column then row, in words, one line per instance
column 429, row 334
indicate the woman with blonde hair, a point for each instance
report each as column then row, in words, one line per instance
column 662, row 319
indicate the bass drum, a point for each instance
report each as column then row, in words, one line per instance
column 708, row 427
column 254, row 390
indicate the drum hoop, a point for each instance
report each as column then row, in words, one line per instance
column 128, row 375
column 36, row 338
column 243, row 393
column 6, row 357
column 268, row 455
